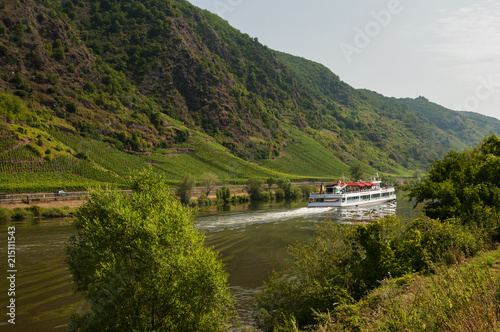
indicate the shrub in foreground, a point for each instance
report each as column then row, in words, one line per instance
column 454, row 299
column 343, row 263
column 142, row 266
column 5, row 214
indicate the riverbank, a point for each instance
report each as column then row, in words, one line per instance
column 76, row 199
column 72, row 203
column 463, row 297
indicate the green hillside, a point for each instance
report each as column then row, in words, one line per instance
column 92, row 91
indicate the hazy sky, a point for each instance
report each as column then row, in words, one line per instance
column 447, row 51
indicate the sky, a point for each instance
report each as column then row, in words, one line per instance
column 447, row 51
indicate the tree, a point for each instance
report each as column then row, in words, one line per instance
column 185, row 187
column 224, row 194
column 254, row 188
column 142, row 266
column 464, row 185
column 209, row 180
column 356, row 170
column 290, row 191
column 270, row 181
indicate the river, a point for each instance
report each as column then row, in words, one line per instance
column 251, row 239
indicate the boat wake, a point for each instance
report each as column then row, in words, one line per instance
column 241, row 219
column 238, row 220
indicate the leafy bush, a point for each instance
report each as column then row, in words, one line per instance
column 53, row 213
column 21, row 214
column 280, row 194
column 464, row 185
column 343, row 263
column 142, row 265
column 5, row 214
column 254, row 188
column 307, row 189
column 3, row 49
column 224, row 194
column 203, row 200
column 185, row 187
column 36, row 210
column 290, row 191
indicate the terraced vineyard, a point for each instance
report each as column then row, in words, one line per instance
column 82, row 162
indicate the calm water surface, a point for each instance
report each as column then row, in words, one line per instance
column 252, row 241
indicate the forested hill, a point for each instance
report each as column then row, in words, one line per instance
column 91, row 91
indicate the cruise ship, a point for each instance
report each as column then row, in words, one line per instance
column 349, row 194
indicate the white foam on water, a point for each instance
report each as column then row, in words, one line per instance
column 241, row 219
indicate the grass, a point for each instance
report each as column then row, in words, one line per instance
column 33, row 212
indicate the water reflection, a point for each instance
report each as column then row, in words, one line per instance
column 365, row 213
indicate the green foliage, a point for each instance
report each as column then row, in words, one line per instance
column 55, row 212
column 279, row 194
column 290, row 192
column 5, row 214
column 142, row 266
column 185, row 188
column 464, row 185
column 21, row 214
column 307, row 189
column 203, row 200
column 36, row 210
column 3, row 49
column 270, row 181
column 89, row 87
column 462, row 298
column 356, row 170
column 343, row 263
column 208, row 180
column 254, row 188
column 57, row 50
column 12, row 107
column 71, row 108
column 224, row 195
column 182, row 136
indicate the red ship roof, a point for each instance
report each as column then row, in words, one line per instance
column 355, row 184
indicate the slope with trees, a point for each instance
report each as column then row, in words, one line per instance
column 86, row 83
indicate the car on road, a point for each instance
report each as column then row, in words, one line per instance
column 61, row 193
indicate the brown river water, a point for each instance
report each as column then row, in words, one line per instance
column 252, row 241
